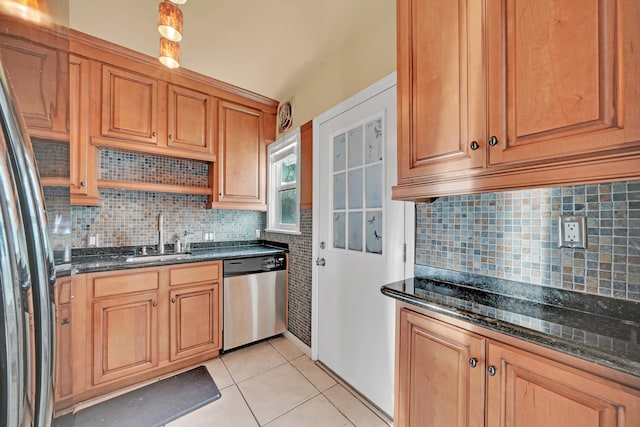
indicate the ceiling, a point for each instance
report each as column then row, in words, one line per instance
column 260, row 45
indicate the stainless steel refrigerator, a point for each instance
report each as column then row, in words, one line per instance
column 27, row 277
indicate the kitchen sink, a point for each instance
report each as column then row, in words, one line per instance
column 157, row 258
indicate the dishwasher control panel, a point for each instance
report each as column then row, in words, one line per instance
column 274, row 263
column 251, row 265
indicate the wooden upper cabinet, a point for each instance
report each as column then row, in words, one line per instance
column 241, row 165
column 39, row 76
column 129, row 106
column 82, row 155
column 440, row 90
column 560, row 74
column 141, row 113
column 529, row 391
column 498, row 95
column 191, row 120
column 438, row 383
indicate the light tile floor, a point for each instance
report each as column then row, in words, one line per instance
column 274, row 384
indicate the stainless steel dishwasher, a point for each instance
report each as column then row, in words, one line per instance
column 255, row 299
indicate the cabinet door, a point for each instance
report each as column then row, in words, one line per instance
column 194, row 321
column 440, row 89
column 190, row 120
column 437, row 385
column 562, row 78
column 64, row 355
column 82, row 155
column 39, row 76
column 241, row 157
column 530, row 391
column 129, row 106
column 125, row 336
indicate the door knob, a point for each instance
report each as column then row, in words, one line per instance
column 321, row 262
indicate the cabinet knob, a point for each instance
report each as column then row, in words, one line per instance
column 493, row 141
column 473, row 362
column 83, row 184
column 474, row 145
column 153, row 134
column 155, row 304
column 65, row 322
column 173, row 300
column 491, row 370
column 170, row 137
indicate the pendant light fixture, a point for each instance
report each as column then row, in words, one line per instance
column 170, row 21
column 170, row 27
column 169, row 53
column 35, row 11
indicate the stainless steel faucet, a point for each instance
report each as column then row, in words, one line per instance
column 160, row 234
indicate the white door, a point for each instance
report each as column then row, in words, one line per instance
column 359, row 237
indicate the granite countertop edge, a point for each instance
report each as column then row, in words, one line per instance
column 114, row 259
column 591, row 354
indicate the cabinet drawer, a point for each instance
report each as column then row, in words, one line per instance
column 209, row 272
column 125, row 283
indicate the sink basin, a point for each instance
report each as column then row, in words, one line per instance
column 156, row 258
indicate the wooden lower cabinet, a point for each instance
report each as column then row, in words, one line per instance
column 449, row 376
column 119, row 328
column 195, row 312
column 531, row 391
column 437, row 384
column 194, row 324
column 125, row 336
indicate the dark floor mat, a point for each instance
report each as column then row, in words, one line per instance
column 152, row 405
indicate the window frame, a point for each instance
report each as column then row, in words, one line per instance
column 277, row 151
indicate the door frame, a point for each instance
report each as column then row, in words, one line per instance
column 378, row 87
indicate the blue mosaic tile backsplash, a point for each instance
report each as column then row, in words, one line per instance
column 130, row 218
column 300, row 270
column 513, row 235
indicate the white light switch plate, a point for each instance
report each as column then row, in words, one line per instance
column 572, row 231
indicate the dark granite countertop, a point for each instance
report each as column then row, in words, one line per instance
column 110, row 259
column 595, row 328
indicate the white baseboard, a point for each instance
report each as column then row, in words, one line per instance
column 295, row 340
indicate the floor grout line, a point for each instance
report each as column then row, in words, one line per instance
column 360, row 398
column 338, row 382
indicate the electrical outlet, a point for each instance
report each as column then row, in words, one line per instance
column 257, row 234
column 572, row 231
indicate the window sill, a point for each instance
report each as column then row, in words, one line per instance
column 291, row 232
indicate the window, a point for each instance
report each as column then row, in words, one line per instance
column 283, row 213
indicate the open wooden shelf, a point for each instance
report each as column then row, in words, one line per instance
column 148, row 186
